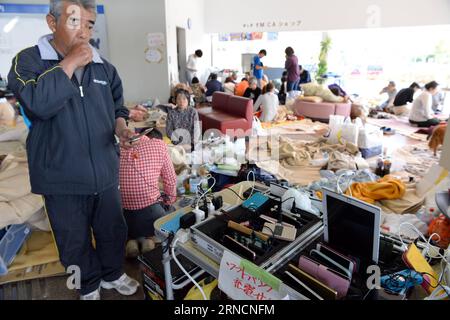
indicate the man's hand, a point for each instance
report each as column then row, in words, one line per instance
column 124, row 136
column 79, row 56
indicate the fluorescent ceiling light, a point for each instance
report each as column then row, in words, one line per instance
column 10, row 25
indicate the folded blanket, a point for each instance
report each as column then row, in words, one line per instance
column 386, row 188
column 17, row 203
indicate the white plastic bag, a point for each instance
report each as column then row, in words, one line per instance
column 335, row 125
column 257, row 128
column 370, row 137
column 302, row 201
column 342, row 129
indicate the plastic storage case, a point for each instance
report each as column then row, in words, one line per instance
column 208, row 235
column 11, row 240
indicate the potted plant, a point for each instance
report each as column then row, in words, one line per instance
column 325, row 46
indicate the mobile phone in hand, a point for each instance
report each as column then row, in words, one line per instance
column 140, row 135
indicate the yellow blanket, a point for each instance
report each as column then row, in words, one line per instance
column 386, row 188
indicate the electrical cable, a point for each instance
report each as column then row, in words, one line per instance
column 254, row 181
column 184, row 270
column 234, row 193
column 444, row 259
column 206, row 192
column 423, row 238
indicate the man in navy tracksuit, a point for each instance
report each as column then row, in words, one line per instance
column 74, row 100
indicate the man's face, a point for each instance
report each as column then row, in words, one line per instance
column 75, row 26
column 253, row 86
column 261, row 55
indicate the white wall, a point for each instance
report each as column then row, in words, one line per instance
column 177, row 14
column 232, row 15
column 128, row 23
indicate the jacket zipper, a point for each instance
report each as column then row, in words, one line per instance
column 88, row 131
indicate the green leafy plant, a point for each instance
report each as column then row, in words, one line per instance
column 325, row 46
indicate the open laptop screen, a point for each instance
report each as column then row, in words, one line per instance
column 352, row 226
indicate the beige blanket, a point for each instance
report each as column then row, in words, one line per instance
column 17, row 203
column 291, row 159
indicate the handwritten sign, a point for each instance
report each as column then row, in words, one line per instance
column 242, row 280
column 155, row 40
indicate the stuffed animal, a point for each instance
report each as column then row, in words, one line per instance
column 437, row 138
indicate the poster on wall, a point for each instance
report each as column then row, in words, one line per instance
column 224, row 37
column 256, row 36
column 16, row 21
column 235, row 36
column 155, row 47
column 272, row 36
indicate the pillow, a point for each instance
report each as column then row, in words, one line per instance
column 314, row 99
column 310, row 89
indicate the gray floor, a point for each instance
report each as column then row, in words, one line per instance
column 55, row 288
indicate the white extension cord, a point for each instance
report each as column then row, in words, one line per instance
column 174, row 244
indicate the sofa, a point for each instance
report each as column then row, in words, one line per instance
column 227, row 114
column 320, row 111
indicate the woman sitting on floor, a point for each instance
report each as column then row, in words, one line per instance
column 269, row 104
column 422, row 113
column 198, row 90
column 253, row 91
column 229, row 86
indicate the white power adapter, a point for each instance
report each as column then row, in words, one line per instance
column 182, row 235
column 199, row 215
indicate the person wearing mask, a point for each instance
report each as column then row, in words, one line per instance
column 212, row 86
column 253, row 91
column 404, row 97
column 72, row 150
column 258, row 67
column 305, row 76
column 141, row 169
column 268, row 102
column 422, row 113
column 292, row 68
column 192, row 65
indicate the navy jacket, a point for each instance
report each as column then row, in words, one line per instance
column 71, row 146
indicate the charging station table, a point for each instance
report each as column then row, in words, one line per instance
column 190, row 251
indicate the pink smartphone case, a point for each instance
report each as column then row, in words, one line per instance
column 325, row 275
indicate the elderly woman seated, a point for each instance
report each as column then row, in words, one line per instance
column 182, row 125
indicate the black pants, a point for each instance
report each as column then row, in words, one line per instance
column 426, row 124
column 74, row 218
column 140, row 222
